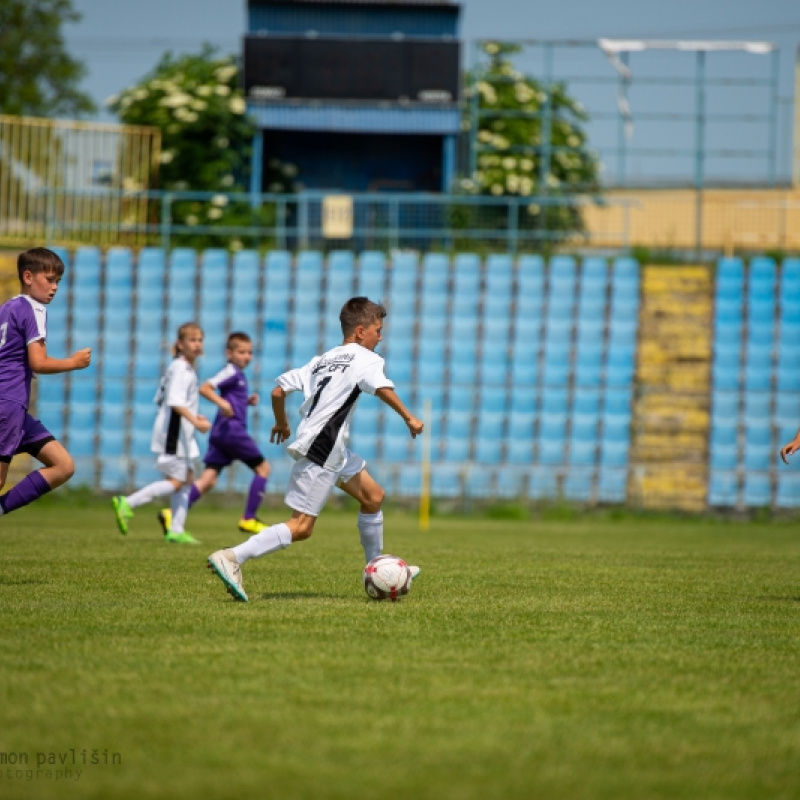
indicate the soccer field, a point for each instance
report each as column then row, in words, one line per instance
column 576, row 658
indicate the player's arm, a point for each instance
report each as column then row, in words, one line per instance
column 42, row 364
column 390, row 397
column 280, row 430
column 791, row 448
column 199, row 421
column 207, row 391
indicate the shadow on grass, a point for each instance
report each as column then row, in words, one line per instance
column 19, row 581
column 299, row 596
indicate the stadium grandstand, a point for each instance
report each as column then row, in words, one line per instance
column 538, row 376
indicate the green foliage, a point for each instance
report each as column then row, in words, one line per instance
column 39, row 78
column 197, row 103
column 510, row 133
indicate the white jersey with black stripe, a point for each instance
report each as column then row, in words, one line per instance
column 331, row 384
column 173, row 435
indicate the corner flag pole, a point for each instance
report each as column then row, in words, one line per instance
column 425, row 488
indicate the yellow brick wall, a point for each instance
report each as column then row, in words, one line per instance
column 669, row 452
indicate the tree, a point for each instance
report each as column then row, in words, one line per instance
column 197, row 103
column 509, row 139
column 39, row 77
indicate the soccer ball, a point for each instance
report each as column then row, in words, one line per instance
column 387, row 578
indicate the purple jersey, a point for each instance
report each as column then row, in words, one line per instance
column 231, row 384
column 22, row 321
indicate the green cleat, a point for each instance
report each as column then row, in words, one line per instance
column 184, row 537
column 123, row 512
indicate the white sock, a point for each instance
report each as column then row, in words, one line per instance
column 180, row 507
column 276, row 537
column 150, row 492
column 370, row 526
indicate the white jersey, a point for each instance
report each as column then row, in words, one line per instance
column 331, row 384
column 173, row 435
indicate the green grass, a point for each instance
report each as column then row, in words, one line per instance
column 560, row 658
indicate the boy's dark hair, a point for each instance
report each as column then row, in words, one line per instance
column 237, row 336
column 359, row 311
column 39, row 259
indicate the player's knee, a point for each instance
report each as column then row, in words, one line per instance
column 373, row 500
column 263, row 470
column 64, row 470
column 301, row 529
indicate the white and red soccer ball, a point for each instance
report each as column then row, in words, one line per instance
column 387, row 578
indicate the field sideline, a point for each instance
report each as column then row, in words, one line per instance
column 583, row 658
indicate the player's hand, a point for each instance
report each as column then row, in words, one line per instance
column 415, row 426
column 225, row 407
column 790, row 449
column 82, row 358
column 202, row 423
column 253, row 399
column 280, row 433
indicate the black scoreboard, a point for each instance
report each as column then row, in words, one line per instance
column 394, row 70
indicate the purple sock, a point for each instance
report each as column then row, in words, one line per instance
column 194, row 495
column 30, row 488
column 254, row 496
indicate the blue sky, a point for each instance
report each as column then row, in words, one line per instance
column 120, row 42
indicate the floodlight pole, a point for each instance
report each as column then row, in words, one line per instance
column 699, row 150
column 773, row 116
column 624, row 58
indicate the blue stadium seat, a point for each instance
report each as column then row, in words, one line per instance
column 404, row 269
column 591, row 308
column 459, row 424
column 586, row 402
column 542, row 483
column 723, row 456
column 465, row 306
column 588, row 369
column 787, row 408
column 530, row 275
column 757, row 489
column 578, row 482
column 758, row 376
column 762, row 270
column 787, row 493
column 552, row 451
column 614, row 453
column 787, row 379
column 723, row 487
column 456, row 449
column 725, row 406
column 490, row 425
column 499, row 274
column 615, row 428
column 620, row 367
column 583, row 452
column 372, row 275
column 496, row 304
column 435, row 273
column 612, row 485
column 213, row 280
column 562, row 271
column 447, row 480
column 556, row 368
column 492, row 398
column 466, row 273
column 86, row 269
column 525, row 401
column 461, row 398
column 757, row 406
column 182, row 271
column 524, row 372
column 594, row 275
column 119, row 273
column 730, row 268
column 494, row 372
column 278, row 269
column 760, row 313
column 519, row 450
column 488, row 451
column 530, row 306
column 245, row 292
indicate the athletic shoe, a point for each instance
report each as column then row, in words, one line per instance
column 123, row 512
column 414, row 571
column 184, row 537
column 228, row 570
column 252, row 525
column 165, row 519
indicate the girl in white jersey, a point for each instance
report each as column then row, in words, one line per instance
column 331, row 384
column 173, row 438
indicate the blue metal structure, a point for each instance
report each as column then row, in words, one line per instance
column 404, row 144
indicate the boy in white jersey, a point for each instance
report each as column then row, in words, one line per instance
column 331, row 384
column 173, row 438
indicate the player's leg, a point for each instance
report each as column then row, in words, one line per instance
column 243, row 448
column 206, row 482
column 368, row 492
column 4, row 470
column 180, row 469
column 309, row 488
column 37, row 441
column 123, row 506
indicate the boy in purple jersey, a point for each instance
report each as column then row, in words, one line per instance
column 229, row 440
column 23, row 352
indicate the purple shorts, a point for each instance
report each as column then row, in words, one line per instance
column 20, row 432
column 223, row 451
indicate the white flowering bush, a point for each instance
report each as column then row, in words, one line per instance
column 206, row 137
column 508, row 157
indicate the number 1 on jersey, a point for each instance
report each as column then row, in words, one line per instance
column 322, row 384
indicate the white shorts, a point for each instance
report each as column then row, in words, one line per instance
column 310, row 485
column 177, row 467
